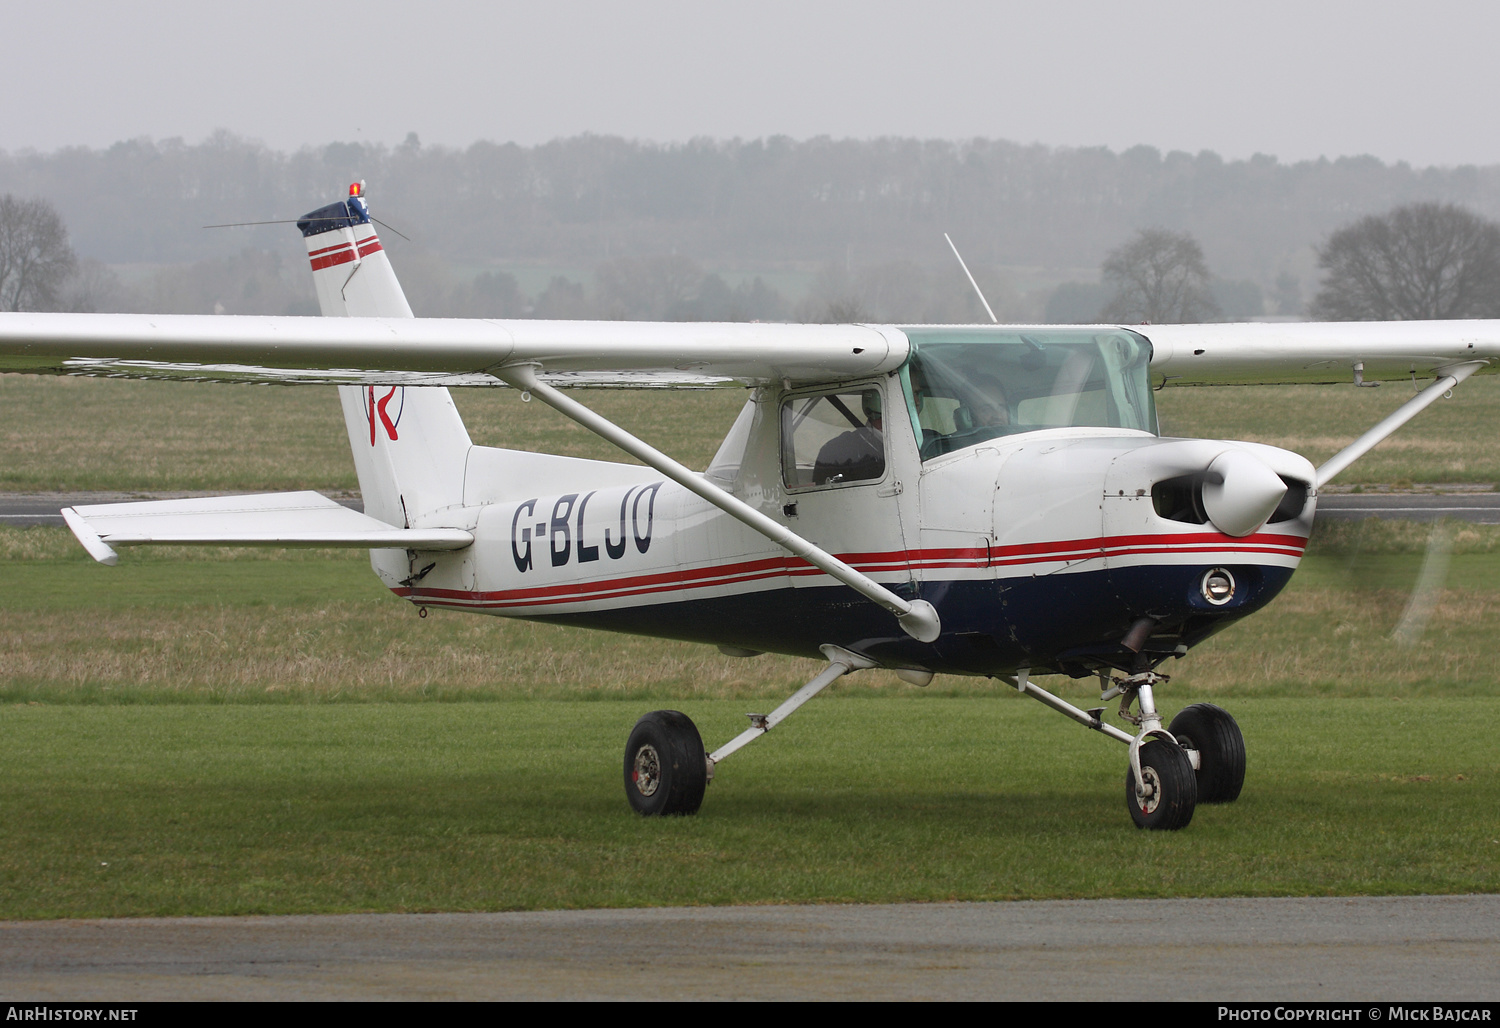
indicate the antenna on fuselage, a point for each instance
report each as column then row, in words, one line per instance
column 961, row 264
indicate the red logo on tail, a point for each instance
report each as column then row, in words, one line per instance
column 378, row 409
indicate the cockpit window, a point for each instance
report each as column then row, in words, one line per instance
column 969, row 385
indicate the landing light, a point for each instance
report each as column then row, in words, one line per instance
column 1218, row 586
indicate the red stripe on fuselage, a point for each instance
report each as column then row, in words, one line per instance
column 1071, row 551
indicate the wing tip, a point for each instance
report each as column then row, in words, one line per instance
column 89, row 539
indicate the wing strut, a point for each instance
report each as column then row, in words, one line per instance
column 1448, row 377
column 917, row 617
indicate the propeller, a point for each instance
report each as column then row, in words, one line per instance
column 1240, row 493
column 1430, row 582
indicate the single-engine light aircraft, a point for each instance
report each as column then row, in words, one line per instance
column 981, row 500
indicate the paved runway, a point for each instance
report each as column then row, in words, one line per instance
column 1395, row 949
column 1482, row 507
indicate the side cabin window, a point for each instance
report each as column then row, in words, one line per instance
column 832, row 438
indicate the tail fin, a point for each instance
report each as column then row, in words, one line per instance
column 351, row 272
column 410, row 445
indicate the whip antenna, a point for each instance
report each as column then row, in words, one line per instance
column 961, row 264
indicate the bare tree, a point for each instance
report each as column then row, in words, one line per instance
column 35, row 258
column 646, row 288
column 1159, row 277
column 92, row 287
column 1420, row 262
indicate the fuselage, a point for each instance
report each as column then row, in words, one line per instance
column 1059, row 547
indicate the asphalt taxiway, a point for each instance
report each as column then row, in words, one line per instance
column 1390, row 949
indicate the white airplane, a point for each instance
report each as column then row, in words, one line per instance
column 982, row 500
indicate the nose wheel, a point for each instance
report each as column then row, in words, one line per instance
column 1167, row 791
column 1201, row 756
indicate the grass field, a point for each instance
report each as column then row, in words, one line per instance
column 90, row 434
column 241, row 731
column 227, row 733
column 192, row 625
column 143, row 810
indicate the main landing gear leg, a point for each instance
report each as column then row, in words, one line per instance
column 1161, row 786
column 666, row 770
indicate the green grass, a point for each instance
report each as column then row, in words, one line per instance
column 158, row 810
column 83, row 434
column 238, row 731
column 95, row 434
column 1445, row 443
column 241, row 735
column 185, row 625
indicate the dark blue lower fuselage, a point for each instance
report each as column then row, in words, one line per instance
column 1066, row 622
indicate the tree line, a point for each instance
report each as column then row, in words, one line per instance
column 1416, row 262
column 589, row 199
column 759, row 230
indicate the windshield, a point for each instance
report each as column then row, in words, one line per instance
column 968, row 385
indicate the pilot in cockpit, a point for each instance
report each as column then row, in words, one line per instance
column 857, row 455
column 987, row 404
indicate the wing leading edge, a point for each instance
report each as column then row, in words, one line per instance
column 451, row 351
column 1267, row 353
column 440, row 351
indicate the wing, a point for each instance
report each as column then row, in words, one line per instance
column 1265, row 353
column 440, row 351
column 449, row 351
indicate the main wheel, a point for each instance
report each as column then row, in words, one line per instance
column 1166, row 803
column 666, row 771
column 1221, row 750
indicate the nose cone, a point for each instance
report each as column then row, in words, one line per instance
column 1240, row 493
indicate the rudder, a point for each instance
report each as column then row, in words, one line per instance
column 409, row 444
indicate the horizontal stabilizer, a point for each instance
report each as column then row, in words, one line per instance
column 266, row 519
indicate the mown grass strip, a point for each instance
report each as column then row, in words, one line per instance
column 160, row 810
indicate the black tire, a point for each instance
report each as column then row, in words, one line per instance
column 1221, row 750
column 666, row 771
column 1173, row 790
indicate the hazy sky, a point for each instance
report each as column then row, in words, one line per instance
column 1408, row 81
